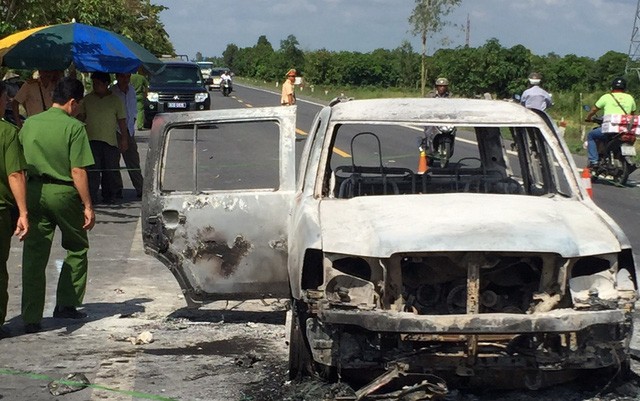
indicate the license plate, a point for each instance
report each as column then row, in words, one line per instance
column 627, row 150
column 177, row 105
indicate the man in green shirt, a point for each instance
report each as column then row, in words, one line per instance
column 12, row 193
column 106, row 121
column 57, row 152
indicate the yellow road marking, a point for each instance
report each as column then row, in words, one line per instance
column 337, row 151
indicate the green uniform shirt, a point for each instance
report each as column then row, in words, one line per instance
column 102, row 115
column 11, row 160
column 140, row 84
column 609, row 105
column 54, row 143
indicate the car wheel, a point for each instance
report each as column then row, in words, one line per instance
column 147, row 121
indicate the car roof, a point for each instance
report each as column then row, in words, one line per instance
column 181, row 63
column 460, row 111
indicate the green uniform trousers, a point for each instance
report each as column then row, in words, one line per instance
column 52, row 205
column 140, row 115
column 5, row 246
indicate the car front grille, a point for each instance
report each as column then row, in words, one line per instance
column 174, row 97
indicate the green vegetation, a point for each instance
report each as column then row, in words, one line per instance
column 138, row 20
column 491, row 68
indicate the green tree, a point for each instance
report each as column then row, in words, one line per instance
column 426, row 19
column 406, row 64
column 229, row 56
column 317, row 67
column 293, row 56
column 138, row 20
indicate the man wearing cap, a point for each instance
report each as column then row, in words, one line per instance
column 288, row 97
column 535, row 97
column 35, row 95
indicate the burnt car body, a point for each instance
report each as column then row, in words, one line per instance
column 496, row 269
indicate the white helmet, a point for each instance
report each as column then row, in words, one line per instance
column 535, row 78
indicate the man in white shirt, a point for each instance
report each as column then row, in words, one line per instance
column 127, row 93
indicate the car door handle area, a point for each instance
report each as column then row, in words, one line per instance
column 172, row 218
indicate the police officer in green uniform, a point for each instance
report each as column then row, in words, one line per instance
column 12, row 194
column 56, row 148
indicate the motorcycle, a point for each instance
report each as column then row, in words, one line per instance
column 438, row 142
column 616, row 156
column 225, row 87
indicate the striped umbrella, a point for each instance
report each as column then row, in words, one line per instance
column 89, row 48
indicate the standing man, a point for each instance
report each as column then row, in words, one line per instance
column 535, row 97
column 126, row 92
column 141, row 86
column 288, row 97
column 57, row 152
column 106, row 120
column 35, row 94
column 12, row 193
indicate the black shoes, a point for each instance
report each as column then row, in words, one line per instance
column 4, row 333
column 68, row 312
column 31, row 328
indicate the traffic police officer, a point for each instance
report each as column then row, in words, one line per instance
column 12, row 193
column 56, row 148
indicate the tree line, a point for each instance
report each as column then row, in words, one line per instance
column 139, row 20
column 472, row 72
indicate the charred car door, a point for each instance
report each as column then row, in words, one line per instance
column 218, row 189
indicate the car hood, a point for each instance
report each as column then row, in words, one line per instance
column 380, row 226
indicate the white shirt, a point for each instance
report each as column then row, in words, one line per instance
column 536, row 98
column 130, row 106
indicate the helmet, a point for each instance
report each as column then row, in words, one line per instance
column 619, row 83
column 442, row 82
column 535, row 78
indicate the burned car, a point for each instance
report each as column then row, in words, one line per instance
column 496, row 268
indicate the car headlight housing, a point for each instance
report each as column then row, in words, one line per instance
column 152, row 96
column 201, row 97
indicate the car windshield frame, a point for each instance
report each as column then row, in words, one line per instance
column 177, row 75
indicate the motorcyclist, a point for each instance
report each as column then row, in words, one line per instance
column 226, row 76
column 615, row 102
column 441, row 90
column 535, row 97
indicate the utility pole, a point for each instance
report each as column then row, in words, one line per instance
column 469, row 30
column 633, row 63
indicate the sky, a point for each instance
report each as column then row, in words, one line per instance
column 581, row 27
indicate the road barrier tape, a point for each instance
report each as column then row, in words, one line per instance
column 36, row 376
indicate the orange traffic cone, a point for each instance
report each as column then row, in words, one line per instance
column 422, row 162
column 586, row 181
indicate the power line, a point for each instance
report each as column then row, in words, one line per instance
column 633, row 63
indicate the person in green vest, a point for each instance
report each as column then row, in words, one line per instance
column 57, row 152
column 12, row 194
column 141, row 85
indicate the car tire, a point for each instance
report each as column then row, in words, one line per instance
column 147, row 121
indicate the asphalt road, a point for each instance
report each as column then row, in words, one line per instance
column 130, row 293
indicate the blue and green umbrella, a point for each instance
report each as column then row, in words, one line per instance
column 89, row 48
